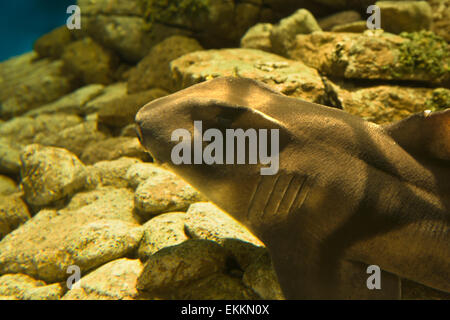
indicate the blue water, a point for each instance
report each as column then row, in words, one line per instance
column 23, row 21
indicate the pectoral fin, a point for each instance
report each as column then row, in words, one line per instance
column 425, row 134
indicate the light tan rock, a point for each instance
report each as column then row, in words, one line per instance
column 23, row 287
column 140, row 172
column 27, row 83
column 258, row 37
column 178, row 265
column 110, row 93
column 72, row 103
column 164, row 192
column 49, row 174
column 51, row 241
column 115, row 280
column 292, row 78
column 206, row 221
column 356, row 26
column 75, row 138
column 114, row 148
column 13, row 213
column 9, row 157
column 25, row 130
column 162, row 231
column 343, row 17
column 110, row 173
column 382, row 103
column 283, row 33
column 105, row 202
column 7, row 185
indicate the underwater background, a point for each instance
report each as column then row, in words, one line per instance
column 23, row 21
column 80, row 198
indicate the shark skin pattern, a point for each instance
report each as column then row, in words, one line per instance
column 348, row 193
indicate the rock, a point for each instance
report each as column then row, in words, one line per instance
column 218, row 286
column 9, row 157
column 21, row 131
column 24, row 287
column 154, row 70
column 140, row 172
column 13, row 213
column 110, row 93
column 383, row 103
column 284, row 33
column 375, row 55
column 160, row 232
column 164, row 192
column 114, row 148
column 26, row 84
column 7, row 185
column 439, row 100
column 116, row 280
column 292, row 78
column 129, row 131
column 74, row 139
column 261, row 277
column 206, row 221
column 441, row 18
column 52, row 44
column 206, row 20
column 120, row 112
column 343, row 17
column 72, row 103
column 110, row 173
column 90, row 62
column 345, row 4
column 357, row 26
column 53, row 240
column 104, row 203
column 111, row 7
column 258, row 37
column 50, row 292
column 178, row 265
column 124, row 35
column 49, row 174
column 405, row 16
column 243, row 252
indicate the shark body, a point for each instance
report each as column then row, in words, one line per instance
column 348, row 193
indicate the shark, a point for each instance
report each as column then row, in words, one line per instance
column 348, row 193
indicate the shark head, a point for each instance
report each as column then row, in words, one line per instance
column 209, row 136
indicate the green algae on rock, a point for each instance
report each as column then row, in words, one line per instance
column 440, row 100
column 423, row 52
column 376, row 55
